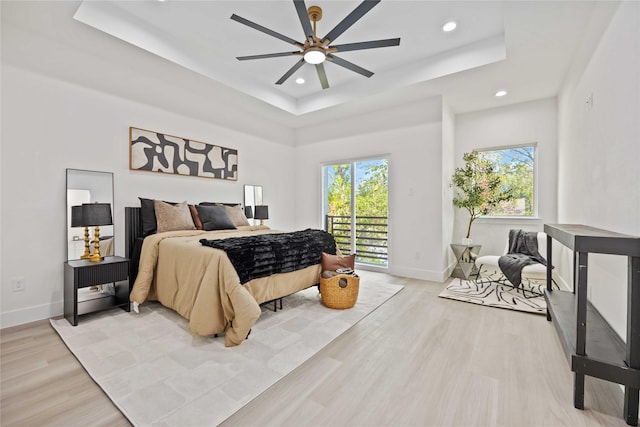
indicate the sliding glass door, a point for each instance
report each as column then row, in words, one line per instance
column 356, row 206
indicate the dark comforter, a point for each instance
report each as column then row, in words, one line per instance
column 261, row 256
column 523, row 251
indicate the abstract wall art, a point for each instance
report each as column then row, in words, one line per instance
column 159, row 152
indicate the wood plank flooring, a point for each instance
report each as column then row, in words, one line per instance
column 417, row 360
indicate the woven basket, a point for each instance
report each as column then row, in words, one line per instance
column 340, row 291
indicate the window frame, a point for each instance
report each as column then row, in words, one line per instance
column 535, row 208
column 324, row 182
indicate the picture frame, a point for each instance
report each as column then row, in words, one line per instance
column 159, row 152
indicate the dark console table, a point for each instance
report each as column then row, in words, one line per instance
column 592, row 346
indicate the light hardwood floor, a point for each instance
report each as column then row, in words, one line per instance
column 417, row 360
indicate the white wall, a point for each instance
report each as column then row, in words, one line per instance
column 49, row 125
column 529, row 122
column 599, row 153
column 448, row 162
column 415, row 181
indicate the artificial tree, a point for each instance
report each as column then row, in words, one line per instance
column 478, row 187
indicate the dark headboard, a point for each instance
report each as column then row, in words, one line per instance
column 132, row 231
column 132, row 228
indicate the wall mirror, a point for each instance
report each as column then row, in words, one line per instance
column 85, row 186
column 252, row 196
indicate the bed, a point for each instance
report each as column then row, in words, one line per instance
column 200, row 282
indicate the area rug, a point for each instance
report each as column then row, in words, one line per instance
column 158, row 374
column 494, row 294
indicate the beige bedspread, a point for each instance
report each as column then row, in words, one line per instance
column 201, row 284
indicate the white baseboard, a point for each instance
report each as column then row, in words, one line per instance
column 31, row 314
column 561, row 282
column 416, row 273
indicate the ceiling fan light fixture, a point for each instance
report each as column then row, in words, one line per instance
column 314, row 55
column 317, row 50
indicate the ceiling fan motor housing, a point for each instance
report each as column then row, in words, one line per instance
column 315, row 13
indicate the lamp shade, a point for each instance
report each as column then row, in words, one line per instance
column 94, row 214
column 248, row 212
column 262, row 212
column 76, row 216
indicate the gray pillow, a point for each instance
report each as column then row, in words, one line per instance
column 214, row 218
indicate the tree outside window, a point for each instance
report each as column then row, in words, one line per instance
column 364, row 185
column 516, row 167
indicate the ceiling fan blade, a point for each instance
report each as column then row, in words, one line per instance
column 367, row 45
column 351, row 19
column 301, row 8
column 322, row 75
column 290, row 72
column 264, row 29
column 350, row 66
column 266, row 55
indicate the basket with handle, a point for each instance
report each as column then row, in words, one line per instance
column 340, row 291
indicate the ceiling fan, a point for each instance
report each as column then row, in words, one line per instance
column 316, row 50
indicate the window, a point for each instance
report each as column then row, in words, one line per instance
column 516, row 166
column 356, row 193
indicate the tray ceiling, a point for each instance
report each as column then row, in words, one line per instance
column 201, row 37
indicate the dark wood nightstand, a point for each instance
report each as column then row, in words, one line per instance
column 80, row 275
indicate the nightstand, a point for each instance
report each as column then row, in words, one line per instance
column 81, row 275
column 465, row 260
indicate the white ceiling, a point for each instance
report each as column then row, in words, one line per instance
column 524, row 47
column 201, row 37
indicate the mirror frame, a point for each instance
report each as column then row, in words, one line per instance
column 86, row 180
column 253, row 196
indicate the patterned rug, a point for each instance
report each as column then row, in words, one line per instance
column 158, row 374
column 494, row 294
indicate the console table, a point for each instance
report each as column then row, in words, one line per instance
column 593, row 347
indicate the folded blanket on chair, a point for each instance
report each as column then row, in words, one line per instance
column 267, row 254
column 523, row 251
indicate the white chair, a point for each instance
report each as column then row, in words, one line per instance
column 534, row 276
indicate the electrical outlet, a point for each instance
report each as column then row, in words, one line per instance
column 590, row 101
column 17, row 284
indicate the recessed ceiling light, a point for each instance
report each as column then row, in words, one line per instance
column 501, row 93
column 449, row 26
column 300, row 80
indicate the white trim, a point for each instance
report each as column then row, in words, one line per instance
column 505, row 220
column 31, row 314
column 561, row 282
column 415, row 273
column 372, row 267
column 508, row 217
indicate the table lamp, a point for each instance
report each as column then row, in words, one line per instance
column 262, row 213
column 76, row 221
column 95, row 215
column 248, row 212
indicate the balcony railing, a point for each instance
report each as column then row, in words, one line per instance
column 371, row 236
